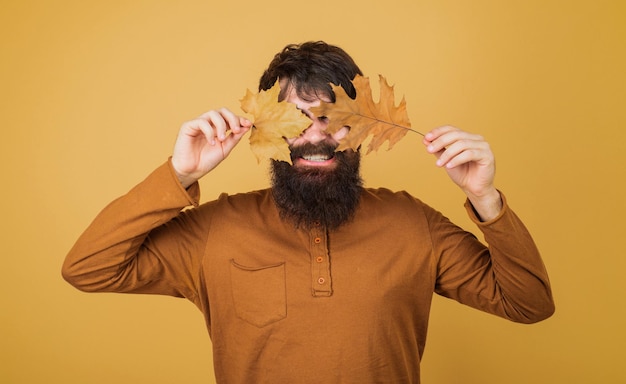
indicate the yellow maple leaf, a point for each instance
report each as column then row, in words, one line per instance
column 273, row 122
column 384, row 121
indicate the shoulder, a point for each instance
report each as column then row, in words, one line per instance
column 384, row 196
column 383, row 201
column 243, row 201
column 229, row 210
column 245, row 197
column 245, row 204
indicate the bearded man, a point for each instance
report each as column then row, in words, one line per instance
column 318, row 278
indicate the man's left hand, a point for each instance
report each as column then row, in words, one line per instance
column 470, row 163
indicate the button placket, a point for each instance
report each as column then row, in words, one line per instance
column 320, row 263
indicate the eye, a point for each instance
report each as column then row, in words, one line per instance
column 323, row 119
column 306, row 113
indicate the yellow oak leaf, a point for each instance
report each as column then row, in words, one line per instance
column 383, row 121
column 273, row 122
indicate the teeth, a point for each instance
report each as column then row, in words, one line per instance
column 316, row 157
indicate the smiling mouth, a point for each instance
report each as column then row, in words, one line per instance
column 314, row 155
column 315, row 161
column 317, row 158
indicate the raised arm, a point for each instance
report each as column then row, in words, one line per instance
column 509, row 278
column 140, row 239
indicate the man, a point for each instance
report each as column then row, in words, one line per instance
column 316, row 279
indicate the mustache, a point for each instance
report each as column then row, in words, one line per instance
column 307, row 149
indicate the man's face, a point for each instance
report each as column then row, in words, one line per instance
column 313, row 136
column 322, row 186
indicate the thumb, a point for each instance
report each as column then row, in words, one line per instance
column 233, row 139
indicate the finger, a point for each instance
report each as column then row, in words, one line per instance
column 438, row 132
column 245, row 123
column 218, row 122
column 450, row 137
column 440, row 137
column 199, row 127
column 463, row 151
column 460, row 158
column 233, row 139
column 234, row 122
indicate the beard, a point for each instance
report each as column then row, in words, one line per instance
column 310, row 196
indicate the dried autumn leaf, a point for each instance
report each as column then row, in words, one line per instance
column 273, row 122
column 384, row 121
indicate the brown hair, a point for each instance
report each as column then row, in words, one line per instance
column 310, row 68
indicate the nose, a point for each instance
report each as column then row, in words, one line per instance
column 316, row 132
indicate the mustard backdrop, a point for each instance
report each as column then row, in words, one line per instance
column 93, row 94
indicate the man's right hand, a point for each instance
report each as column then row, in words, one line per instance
column 204, row 142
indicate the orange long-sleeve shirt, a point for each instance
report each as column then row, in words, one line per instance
column 287, row 305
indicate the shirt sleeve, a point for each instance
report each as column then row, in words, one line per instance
column 506, row 278
column 125, row 249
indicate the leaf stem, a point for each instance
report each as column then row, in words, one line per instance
column 392, row 124
column 412, row 130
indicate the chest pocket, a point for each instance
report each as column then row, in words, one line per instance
column 259, row 293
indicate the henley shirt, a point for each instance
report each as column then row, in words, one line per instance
column 293, row 305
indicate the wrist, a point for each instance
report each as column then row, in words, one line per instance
column 185, row 179
column 486, row 205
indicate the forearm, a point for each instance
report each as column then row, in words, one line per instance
column 519, row 276
column 108, row 246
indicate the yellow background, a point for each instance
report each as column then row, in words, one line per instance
column 93, row 93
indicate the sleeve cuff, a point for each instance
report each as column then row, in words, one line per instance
column 476, row 219
column 192, row 193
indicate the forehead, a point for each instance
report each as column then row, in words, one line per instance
column 291, row 91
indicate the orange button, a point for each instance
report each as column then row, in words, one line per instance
column 319, row 259
column 321, row 280
column 317, row 240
